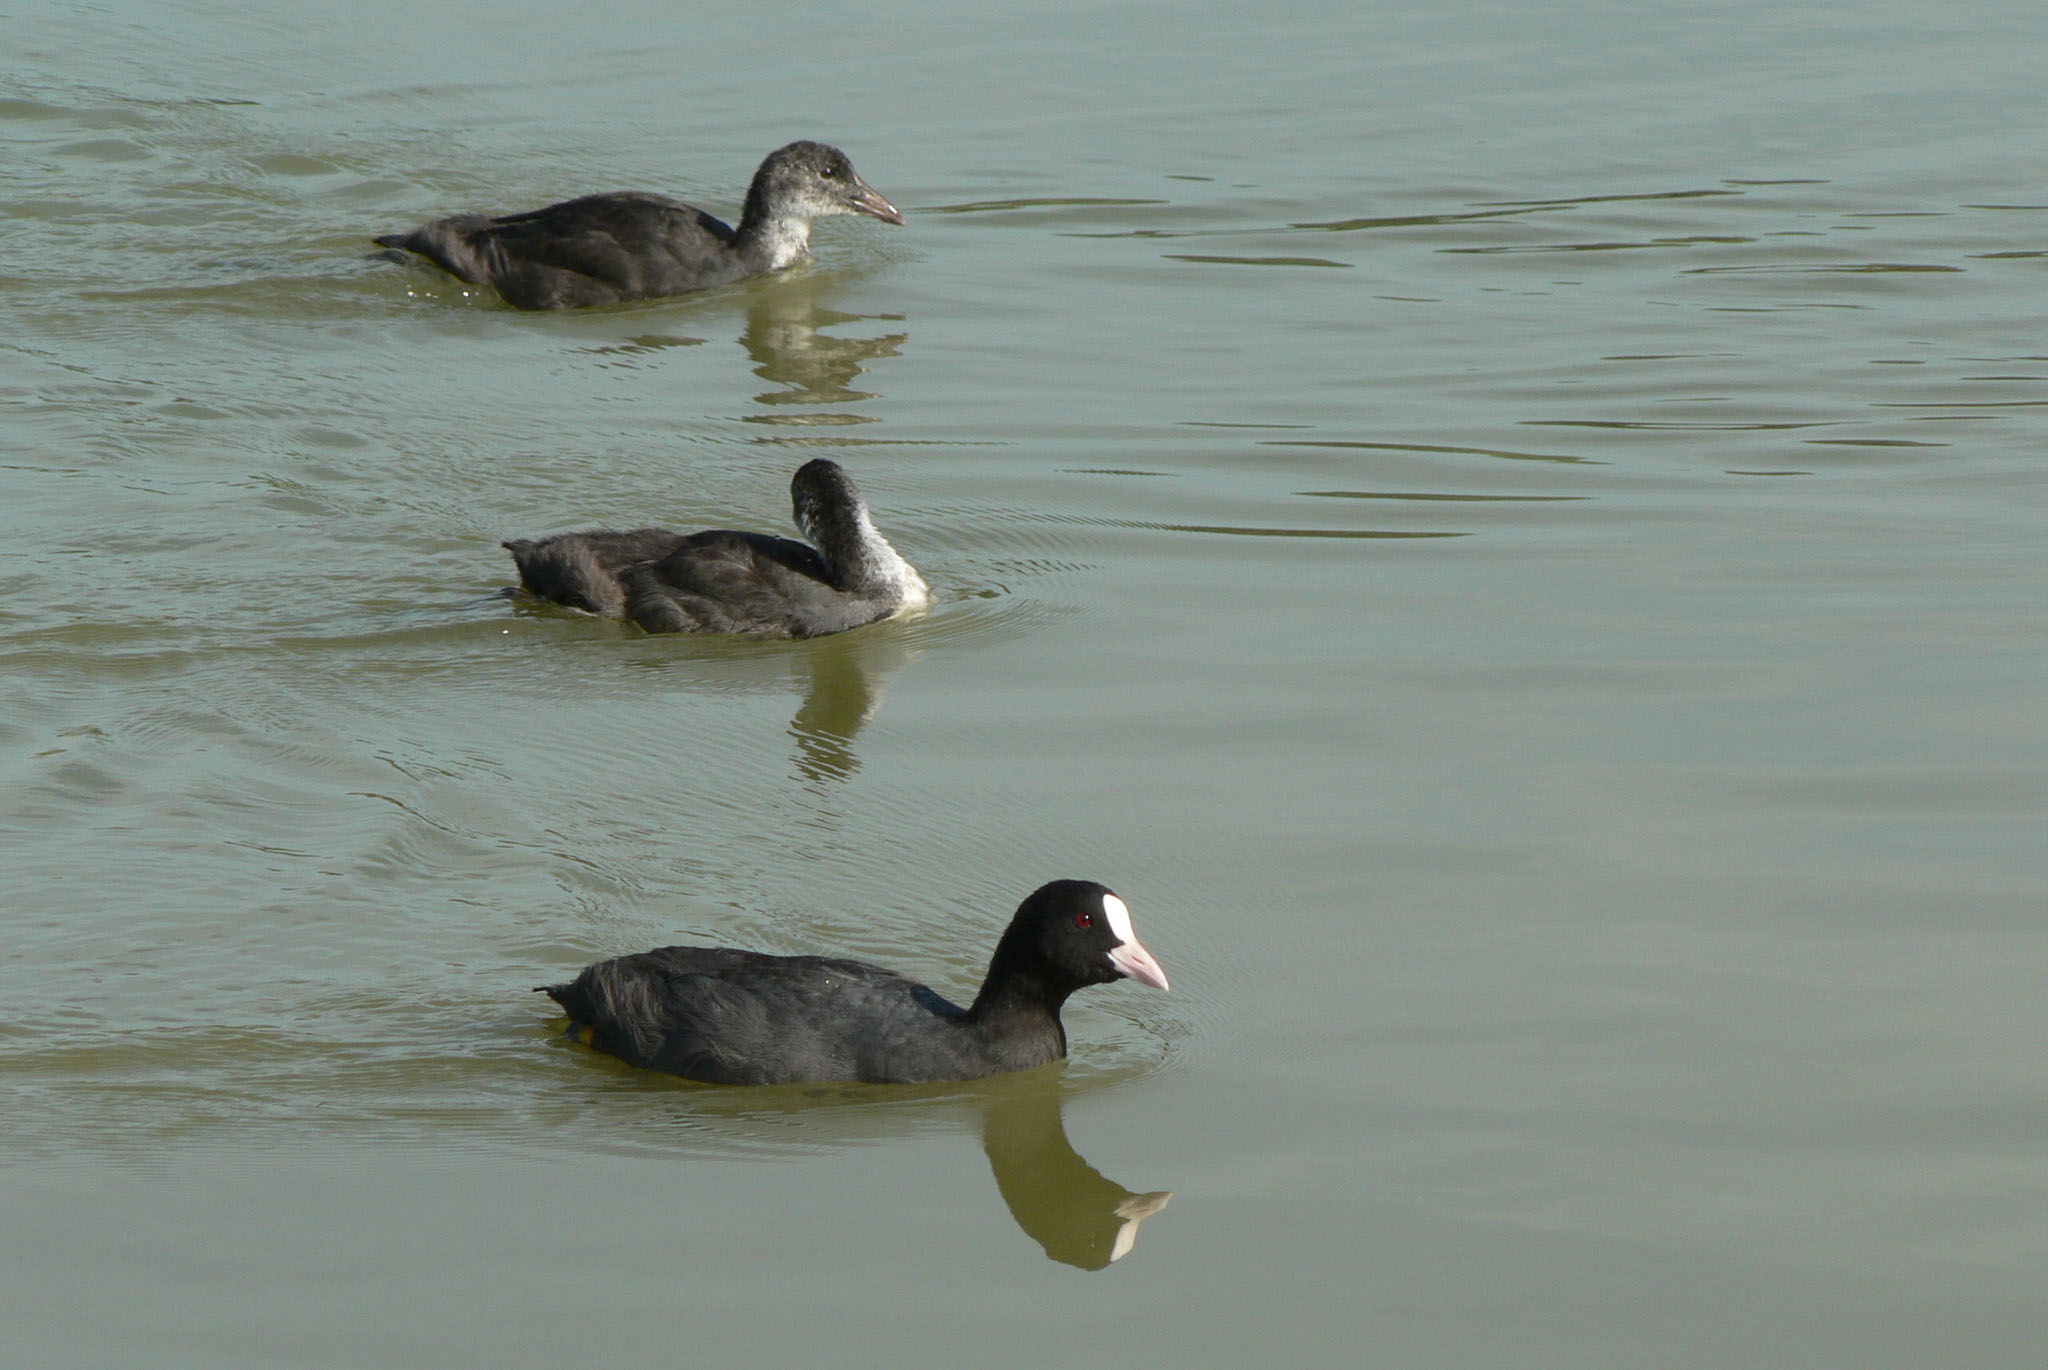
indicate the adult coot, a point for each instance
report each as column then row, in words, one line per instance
column 629, row 245
column 726, row 582
column 747, row 1018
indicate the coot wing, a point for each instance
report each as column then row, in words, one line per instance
column 582, row 569
column 733, row 1017
column 599, row 249
column 727, row 582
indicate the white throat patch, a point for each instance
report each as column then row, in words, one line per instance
column 1119, row 917
column 789, row 242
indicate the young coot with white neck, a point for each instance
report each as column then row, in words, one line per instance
column 727, row 582
column 747, row 1018
column 630, row 245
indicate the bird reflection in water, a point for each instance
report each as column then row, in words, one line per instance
column 845, row 676
column 783, row 337
column 1079, row 1216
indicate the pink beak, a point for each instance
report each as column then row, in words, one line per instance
column 1133, row 960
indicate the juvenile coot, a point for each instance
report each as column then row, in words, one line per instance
column 746, row 1018
column 726, row 582
column 629, row 245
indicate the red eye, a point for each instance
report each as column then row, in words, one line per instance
column 1084, row 920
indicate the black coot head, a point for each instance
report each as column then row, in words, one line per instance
column 813, row 180
column 823, row 496
column 1081, row 933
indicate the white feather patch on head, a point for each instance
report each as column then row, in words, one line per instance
column 1119, row 917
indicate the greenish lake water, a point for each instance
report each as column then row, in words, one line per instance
column 1516, row 538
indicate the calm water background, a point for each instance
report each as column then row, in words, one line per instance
column 1512, row 535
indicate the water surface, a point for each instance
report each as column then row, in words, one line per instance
column 1513, row 539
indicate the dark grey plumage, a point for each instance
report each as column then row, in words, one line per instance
column 630, row 245
column 729, row 582
column 740, row 1017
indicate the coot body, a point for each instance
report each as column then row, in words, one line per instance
column 724, row 1016
column 730, row 582
column 630, row 245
